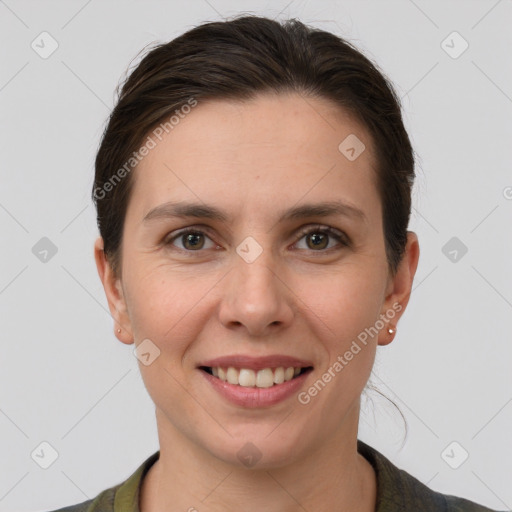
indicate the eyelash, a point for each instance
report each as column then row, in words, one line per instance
column 339, row 236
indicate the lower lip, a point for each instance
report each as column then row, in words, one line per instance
column 256, row 397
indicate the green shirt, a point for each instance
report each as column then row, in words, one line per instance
column 397, row 491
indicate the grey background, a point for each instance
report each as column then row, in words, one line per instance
column 67, row 381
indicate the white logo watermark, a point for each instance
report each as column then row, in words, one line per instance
column 304, row 397
column 149, row 144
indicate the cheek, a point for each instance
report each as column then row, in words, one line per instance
column 163, row 306
column 344, row 302
column 168, row 309
column 344, row 310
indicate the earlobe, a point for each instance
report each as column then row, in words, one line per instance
column 115, row 296
column 400, row 288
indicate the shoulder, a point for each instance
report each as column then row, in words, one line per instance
column 103, row 502
column 398, row 490
column 123, row 496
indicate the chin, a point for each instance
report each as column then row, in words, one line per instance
column 260, row 448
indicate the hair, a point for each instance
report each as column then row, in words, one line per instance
column 237, row 60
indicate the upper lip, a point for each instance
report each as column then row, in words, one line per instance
column 256, row 363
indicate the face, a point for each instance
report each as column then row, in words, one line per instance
column 251, row 241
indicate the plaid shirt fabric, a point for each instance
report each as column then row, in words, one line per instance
column 397, row 491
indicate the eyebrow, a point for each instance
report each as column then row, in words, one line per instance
column 183, row 209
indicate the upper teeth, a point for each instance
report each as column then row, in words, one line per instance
column 261, row 379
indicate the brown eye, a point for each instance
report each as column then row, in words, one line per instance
column 190, row 241
column 322, row 239
column 193, row 241
column 317, row 240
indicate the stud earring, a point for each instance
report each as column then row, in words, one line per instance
column 391, row 330
column 118, row 331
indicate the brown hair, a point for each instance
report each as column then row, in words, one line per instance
column 238, row 59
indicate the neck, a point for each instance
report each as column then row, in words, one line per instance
column 334, row 476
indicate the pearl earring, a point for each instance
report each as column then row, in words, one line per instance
column 118, row 331
column 391, row 330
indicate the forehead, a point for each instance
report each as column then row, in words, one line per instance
column 272, row 148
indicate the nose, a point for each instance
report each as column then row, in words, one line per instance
column 255, row 297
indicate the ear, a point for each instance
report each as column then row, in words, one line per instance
column 115, row 296
column 399, row 288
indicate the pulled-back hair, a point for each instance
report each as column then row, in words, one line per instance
column 239, row 59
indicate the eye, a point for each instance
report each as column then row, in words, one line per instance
column 190, row 240
column 319, row 238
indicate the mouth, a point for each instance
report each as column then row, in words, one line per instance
column 254, row 378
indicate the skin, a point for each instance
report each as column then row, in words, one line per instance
column 254, row 160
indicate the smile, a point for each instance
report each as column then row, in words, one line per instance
column 249, row 378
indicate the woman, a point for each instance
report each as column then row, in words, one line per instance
column 253, row 189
